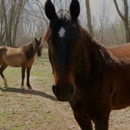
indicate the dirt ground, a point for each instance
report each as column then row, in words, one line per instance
column 39, row 109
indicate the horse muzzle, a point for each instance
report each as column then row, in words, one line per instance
column 39, row 54
column 63, row 93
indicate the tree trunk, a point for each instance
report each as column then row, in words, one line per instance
column 6, row 40
column 20, row 7
column 11, row 20
column 125, row 17
column 89, row 18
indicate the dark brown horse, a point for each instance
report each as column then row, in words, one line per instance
column 92, row 78
column 19, row 57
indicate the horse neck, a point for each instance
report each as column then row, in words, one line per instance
column 95, row 60
column 97, row 50
column 30, row 50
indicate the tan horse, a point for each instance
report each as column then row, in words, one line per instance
column 19, row 57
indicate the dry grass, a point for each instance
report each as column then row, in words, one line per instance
column 38, row 109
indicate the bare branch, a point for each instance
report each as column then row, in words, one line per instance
column 118, row 10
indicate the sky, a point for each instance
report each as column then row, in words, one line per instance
column 97, row 10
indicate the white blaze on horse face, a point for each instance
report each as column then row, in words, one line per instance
column 62, row 32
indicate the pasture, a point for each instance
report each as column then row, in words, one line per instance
column 39, row 109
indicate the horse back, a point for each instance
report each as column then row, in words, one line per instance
column 11, row 56
column 121, row 93
column 122, row 52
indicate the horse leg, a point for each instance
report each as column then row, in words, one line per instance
column 101, row 123
column 28, row 76
column 84, row 122
column 2, row 68
column 23, row 76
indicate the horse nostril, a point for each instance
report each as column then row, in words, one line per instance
column 56, row 91
column 64, row 91
column 71, row 88
column 39, row 54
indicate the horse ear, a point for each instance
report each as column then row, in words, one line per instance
column 50, row 10
column 74, row 9
column 40, row 39
column 35, row 39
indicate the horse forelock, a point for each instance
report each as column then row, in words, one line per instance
column 63, row 19
column 64, row 14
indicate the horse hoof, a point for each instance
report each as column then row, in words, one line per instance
column 22, row 87
column 29, row 87
column 6, row 86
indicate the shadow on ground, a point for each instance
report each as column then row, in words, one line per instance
column 33, row 92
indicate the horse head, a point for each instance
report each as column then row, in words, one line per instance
column 63, row 36
column 38, row 46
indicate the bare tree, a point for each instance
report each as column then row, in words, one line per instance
column 89, row 18
column 11, row 12
column 125, row 17
column 4, row 24
column 103, row 22
column 20, row 21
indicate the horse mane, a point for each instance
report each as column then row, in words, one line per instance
column 29, row 49
column 102, row 61
column 98, row 49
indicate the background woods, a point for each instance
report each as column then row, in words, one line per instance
column 22, row 20
column 124, row 15
column 9, row 18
